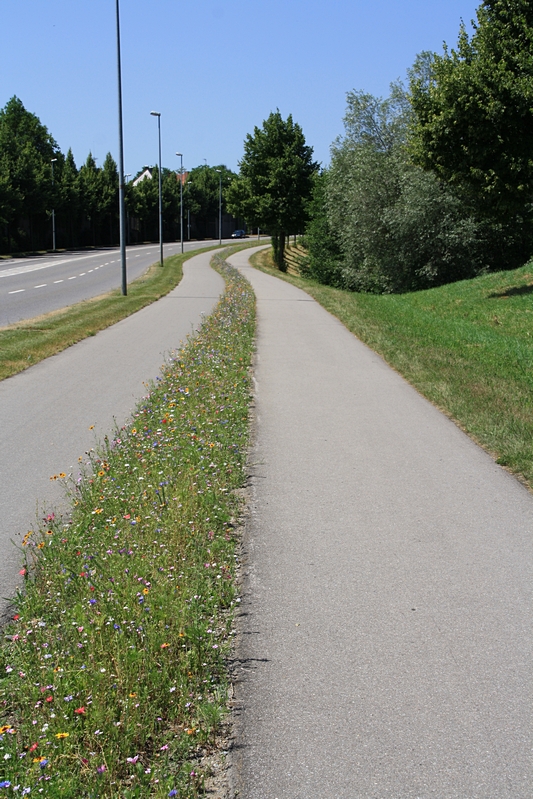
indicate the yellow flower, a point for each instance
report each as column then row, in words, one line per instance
column 4, row 729
column 101, row 473
column 133, row 695
column 62, row 474
column 60, row 735
column 91, row 427
column 40, row 545
column 146, row 591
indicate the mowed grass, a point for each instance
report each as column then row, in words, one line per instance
column 113, row 672
column 26, row 343
column 467, row 347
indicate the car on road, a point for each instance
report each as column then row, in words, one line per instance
column 238, row 234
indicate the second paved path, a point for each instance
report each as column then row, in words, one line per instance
column 386, row 634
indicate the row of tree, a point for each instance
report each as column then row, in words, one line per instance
column 36, row 179
column 434, row 183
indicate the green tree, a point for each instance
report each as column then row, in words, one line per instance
column 69, row 205
column 201, row 196
column 109, row 197
column 275, row 181
column 324, row 260
column 398, row 227
column 91, row 196
column 474, row 118
column 27, row 149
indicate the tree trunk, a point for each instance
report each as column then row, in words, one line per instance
column 282, row 266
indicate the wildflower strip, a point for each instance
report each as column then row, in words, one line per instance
column 113, row 673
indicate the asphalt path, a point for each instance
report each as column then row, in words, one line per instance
column 46, row 412
column 37, row 285
column 385, row 640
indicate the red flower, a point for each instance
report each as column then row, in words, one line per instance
column 49, row 699
column 80, row 711
column 33, row 747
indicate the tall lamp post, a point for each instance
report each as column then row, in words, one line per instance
column 52, row 161
column 121, row 190
column 181, row 199
column 158, row 115
column 219, row 205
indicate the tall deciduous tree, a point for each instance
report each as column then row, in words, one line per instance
column 201, row 195
column 474, row 123
column 275, row 181
column 26, row 149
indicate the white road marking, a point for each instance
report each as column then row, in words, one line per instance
column 82, row 274
column 58, row 281
column 73, row 277
column 16, row 292
column 19, row 270
column 41, row 286
column 91, row 270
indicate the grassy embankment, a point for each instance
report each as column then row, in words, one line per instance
column 27, row 343
column 467, row 347
column 113, row 677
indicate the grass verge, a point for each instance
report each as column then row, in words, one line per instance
column 26, row 343
column 467, row 347
column 112, row 676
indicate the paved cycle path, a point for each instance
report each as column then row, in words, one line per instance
column 385, row 636
column 46, row 411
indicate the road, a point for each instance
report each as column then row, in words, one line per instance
column 47, row 410
column 385, row 643
column 30, row 287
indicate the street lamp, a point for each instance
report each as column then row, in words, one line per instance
column 121, row 190
column 126, row 176
column 158, row 115
column 52, row 161
column 219, row 205
column 181, row 199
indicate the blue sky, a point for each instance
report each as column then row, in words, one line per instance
column 213, row 69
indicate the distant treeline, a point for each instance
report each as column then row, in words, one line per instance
column 36, row 178
column 434, row 183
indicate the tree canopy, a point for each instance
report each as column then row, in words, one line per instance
column 474, row 116
column 275, row 181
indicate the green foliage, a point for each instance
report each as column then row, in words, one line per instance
column 324, row 259
column 275, row 181
column 398, row 227
column 26, row 149
column 201, row 195
column 474, row 119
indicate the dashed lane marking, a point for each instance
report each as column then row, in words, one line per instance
column 16, row 292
